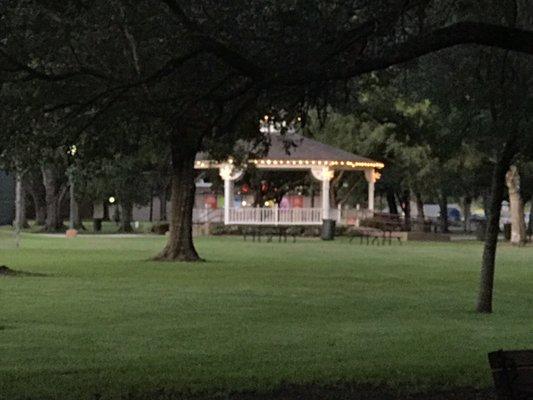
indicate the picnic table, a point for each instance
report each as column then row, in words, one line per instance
column 282, row 232
column 381, row 226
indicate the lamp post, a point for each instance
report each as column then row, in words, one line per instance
column 73, row 206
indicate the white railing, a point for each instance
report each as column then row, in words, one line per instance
column 279, row 216
column 275, row 216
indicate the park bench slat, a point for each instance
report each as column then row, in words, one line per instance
column 512, row 372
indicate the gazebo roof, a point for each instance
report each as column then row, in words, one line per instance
column 296, row 151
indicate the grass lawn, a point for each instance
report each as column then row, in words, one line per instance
column 107, row 321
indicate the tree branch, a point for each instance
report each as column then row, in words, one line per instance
column 227, row 54
column 460, row 33
column 34, row 73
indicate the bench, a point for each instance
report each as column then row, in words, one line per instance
column 270, row 231
column 512, row 372
column 373, row 233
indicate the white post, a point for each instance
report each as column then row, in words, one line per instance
column 324, row 174
column 229, row 174
column 370, row 176
column 325, row 199
column 228, row 198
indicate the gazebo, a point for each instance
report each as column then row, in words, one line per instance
column 320, row 159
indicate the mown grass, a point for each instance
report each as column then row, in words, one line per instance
column 106, row 320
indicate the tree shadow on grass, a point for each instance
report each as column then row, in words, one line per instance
column 8, row 272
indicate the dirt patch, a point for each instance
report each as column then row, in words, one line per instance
column 8, row 272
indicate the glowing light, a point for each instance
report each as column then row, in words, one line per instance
column 111, row 200
column 244, row 203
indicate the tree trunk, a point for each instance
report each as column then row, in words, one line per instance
column 484, row 301
column 126, row 213
column 391, row 201
column 420, row 209
column 54, row 223
column 180, row 246
column 74, row 218
column 443, row 215
column 467, row 213
column 163, row 205
column 405, row 203
column 151, row 216
column 20, row 204
column 516, row 207
column 530, row 223
column 34, row 187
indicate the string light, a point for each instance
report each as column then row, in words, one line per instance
column 330, row 163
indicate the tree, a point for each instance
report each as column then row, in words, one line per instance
column 516, row 206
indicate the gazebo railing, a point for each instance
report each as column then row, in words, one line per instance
column 279, row 216
column 275, row 216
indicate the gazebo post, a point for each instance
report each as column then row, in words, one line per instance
column 370, row 176
column 228, row 195
column 229, row 174
column 325, row 199
column 324, row 174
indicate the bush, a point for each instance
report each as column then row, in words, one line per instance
column 160, row 228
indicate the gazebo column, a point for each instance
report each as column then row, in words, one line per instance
column 370, row 176
column 325, row 175
column 228, row 198
column 325, row 199
column 229, row 174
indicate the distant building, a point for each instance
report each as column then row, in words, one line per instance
column 7, row 198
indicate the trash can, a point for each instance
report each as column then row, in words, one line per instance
column 97, row 224
column 328, row 229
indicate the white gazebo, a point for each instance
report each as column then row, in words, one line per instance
column 320, row 159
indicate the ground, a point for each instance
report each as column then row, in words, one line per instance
column 106, row 322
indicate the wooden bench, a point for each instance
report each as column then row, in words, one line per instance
column 512, row 372
column 373, row 233
column 270, row 231
column 380, row 226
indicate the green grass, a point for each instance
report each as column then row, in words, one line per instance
column 106, row 320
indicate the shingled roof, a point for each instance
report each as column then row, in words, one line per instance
column 290, row 148
column 306, row 148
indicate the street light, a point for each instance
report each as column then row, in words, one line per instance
column 73, row 212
